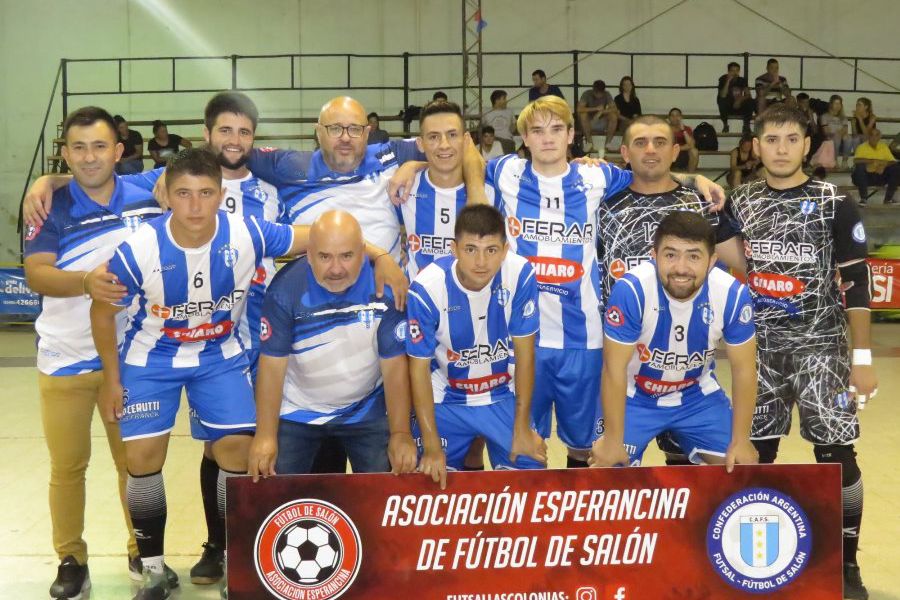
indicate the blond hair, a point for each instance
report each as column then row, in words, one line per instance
column 554, row 106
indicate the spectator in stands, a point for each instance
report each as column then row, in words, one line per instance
column 597, row 113
column 439, row 95
column 895, row 146
column 833, row 125
column 376, row 134
column 862, row 123
column 873, row 164
column 131, row 161
column 163, row 144
column 490, row 148
column 541, row 87
column 812, row 128
column 502, row 119
column 734, row 98
column 771, row 87
column 628, row 104
column 743, row 161
column 688, row 156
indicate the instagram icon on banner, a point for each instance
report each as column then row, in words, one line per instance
column 590, row 593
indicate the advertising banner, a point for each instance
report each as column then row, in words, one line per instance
column 15, row 297
column 577, row 534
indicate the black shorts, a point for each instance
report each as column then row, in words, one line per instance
column 817, row 384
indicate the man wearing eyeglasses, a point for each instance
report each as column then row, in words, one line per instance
column 346, row 174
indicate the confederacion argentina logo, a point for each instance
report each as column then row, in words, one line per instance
column 759, row 540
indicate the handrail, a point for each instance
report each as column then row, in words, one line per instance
column 38, row 150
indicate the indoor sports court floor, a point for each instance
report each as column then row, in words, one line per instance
column 28, row 564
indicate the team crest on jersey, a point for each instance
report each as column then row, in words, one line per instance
column 307, row 548
column 706, row 313
column 131, row 222
column 415, row 331
column 614, row 316
column 366, row 316
column 529, row 309
column 859, row 233
column 400, row 331
column 260, row 194
column 229, row 255
column 31, row 232
column 265, row 329
column 746, row 314
column 503, row 295
column 807, row 207
column 763, row 544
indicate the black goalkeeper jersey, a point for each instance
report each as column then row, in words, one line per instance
column 626, row 224
column 794, row 239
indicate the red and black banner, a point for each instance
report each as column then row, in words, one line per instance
column 581, row 534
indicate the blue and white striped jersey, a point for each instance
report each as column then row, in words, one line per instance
column 468, row 335
column 308, row 187
column 429, row 217
column 674, row 358
column 83, row 235
column 185, row 302
column 334, row 344
column 552, row 221
column 245, row 197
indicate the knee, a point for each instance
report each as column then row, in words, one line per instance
column 843, row 455
column 231, row 452
column 768, row 450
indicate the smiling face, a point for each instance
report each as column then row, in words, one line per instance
column 650, row 150
column 682, row 265
column 443, row 140
column 91, row 151
column 231, row 139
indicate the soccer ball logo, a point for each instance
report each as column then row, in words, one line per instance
column 308, row 552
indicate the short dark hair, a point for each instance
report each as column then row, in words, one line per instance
column 802, row 96
column 157, row 124
column 479, row 220
column 372, row 115
column 646, row 120
column 733, row 64
column 540, row 73
column 119, row 119
column 230, row 102
column 488, row 129
column 200, row 162
column 686, row 225
column 440, row 95
column 599, row 85
column 772, row 61
column 89, row 115
column 673, row 109
column 497, row 94
column 780, row 114
column 437, row 107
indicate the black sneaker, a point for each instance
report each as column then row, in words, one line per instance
column 156, row 587
column 210, row 568
column 136, row 568
column 853, row 585
column 725, row 128
column 71, row 580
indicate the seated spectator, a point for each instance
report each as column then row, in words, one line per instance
column 439, row 95
column 812, row 119
column 743, row 161
column 628, row 104
column 895, row 146
column 163, row 144
column 597, row 113
column 376, row 134
column 862, row 123
column 833, row 125
column 771, row 87
column 688, row 156
column 873, row 164
column 734, row 98
column 131, row 161
column 502, row 119
column 490, row 148
column 541, row 87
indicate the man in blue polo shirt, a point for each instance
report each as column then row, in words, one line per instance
column 65, row 262
column 332, row 361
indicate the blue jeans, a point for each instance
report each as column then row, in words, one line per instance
column 365, row 444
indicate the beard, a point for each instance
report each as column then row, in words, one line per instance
column 224, row 162
column 683, row 292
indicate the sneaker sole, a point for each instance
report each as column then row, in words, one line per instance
column 205, row 580
column 84, row 588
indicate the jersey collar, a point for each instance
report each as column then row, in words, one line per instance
column 85, row 205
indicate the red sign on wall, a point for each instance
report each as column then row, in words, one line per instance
column 885, row 283
column 585, row 534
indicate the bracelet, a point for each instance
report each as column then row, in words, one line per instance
column 862, row 357
column 83, row 289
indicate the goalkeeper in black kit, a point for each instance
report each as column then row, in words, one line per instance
column 799, row 236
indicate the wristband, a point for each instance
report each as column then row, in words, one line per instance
column 862, row 357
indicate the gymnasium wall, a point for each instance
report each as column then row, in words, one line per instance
column 35, row 34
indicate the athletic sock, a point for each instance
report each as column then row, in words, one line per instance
column 209, row 477
column 220, row 496
column 147, row 504
column 574, row 463
column 852, row 498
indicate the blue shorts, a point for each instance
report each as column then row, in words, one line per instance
column 458, row 425
column 220, row 399
column 570, row 379
column 700, row 425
